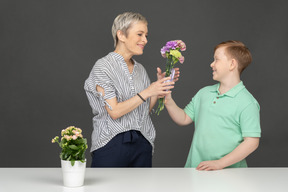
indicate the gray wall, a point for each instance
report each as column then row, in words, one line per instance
column 47, row 49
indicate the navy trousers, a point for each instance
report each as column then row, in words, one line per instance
column 128, row 149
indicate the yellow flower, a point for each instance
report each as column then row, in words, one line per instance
column 175, row 53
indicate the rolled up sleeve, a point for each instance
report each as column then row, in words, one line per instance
column 100, row 77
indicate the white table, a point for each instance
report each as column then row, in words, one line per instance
column 147, row 180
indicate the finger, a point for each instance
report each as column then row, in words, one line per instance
column 202, row 165
column 165, row 92
column 159, row 71
column 207, row 169
column 165, row 79
column 167, row 88
column 199, row 166
column 177, row 74
column 176, row 69
column 168, row 83
column 175, row 79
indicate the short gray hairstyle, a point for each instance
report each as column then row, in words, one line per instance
column 123, row 22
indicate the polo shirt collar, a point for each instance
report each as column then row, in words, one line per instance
column 232, row 92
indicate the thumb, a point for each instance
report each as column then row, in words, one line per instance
column 159, row 70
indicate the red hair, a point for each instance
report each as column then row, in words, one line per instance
column 238, row 51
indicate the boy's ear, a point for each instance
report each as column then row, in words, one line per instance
column 121, row 36
column 233, row 64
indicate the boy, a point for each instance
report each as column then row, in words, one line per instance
column 226, row 115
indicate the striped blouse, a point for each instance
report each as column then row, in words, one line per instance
column 111, row 73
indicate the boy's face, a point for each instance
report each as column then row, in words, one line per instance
column 220, row 65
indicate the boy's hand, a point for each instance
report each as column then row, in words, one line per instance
column 209, row 165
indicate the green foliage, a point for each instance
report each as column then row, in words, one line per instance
column 73, row 145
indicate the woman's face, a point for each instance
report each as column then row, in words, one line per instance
column 136, row 38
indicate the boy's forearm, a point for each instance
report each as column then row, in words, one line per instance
column 176, row 113
column 249, row 145
column 153, row 101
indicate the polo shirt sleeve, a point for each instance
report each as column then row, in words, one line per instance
column 190, row 109
column 250, row 121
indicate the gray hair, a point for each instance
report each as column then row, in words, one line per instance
column 123, row 22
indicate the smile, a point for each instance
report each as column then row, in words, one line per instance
column 141, row 46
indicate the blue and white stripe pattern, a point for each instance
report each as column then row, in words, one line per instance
column 111, row 73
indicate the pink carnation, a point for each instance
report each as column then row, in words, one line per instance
column 181, row 44
column 181, row 59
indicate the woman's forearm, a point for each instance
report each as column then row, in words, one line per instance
column 119, row 109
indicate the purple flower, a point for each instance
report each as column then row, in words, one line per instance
column 165, row 49
column 172, row 51
column 171, row 44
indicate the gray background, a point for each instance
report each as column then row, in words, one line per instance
column 48, row 48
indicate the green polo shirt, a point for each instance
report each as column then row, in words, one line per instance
column 221, row 122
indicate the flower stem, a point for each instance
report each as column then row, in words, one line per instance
column 169, row 66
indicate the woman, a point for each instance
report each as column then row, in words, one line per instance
column 121, row 96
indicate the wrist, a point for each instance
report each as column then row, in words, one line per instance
column 144, row 94
column 222, row 163
column 144, row 100
column 168, row 100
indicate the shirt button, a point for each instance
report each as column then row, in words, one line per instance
column 132, row 87
column 214, row 102
column 217, row 97
column 130, row 77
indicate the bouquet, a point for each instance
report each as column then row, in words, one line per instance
column 73, row 145
column 171, row 51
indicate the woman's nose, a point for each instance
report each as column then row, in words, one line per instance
column 145, row 39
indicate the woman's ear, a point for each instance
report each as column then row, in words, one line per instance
column 121, row 36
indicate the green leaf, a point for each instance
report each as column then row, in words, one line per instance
column 74, row 147
column 72, row 162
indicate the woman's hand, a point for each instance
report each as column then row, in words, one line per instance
column 160, row 87
column 161, row 75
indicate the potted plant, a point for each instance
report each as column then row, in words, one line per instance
column 72, row 156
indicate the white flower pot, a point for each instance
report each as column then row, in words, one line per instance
column 73, row 176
